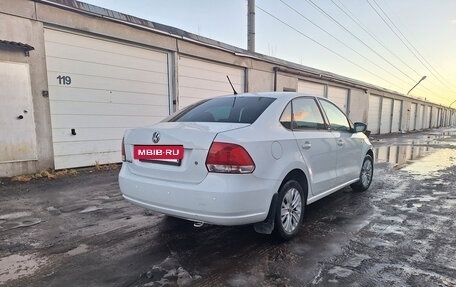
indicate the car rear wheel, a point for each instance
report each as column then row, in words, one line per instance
column 290, row 210
column 365, row 176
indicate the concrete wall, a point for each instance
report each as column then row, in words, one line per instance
column 286, row 83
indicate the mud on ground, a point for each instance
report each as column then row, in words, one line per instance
column 79, row 231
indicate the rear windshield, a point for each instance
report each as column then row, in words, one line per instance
column 225, row 109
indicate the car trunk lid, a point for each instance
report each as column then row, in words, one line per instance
column 194, row 138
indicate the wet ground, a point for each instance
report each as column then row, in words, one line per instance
column 78, row 231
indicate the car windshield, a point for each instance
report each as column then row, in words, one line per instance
column 225, row 109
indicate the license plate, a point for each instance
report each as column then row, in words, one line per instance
column 158, row 152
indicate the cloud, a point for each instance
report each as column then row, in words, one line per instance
column 453, row 21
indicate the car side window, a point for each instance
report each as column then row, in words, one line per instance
column 307, row 115
column 302, row 113
column 337, row 119
column 285, row 119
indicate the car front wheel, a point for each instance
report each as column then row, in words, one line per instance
column 365, row 177
column 290, row 210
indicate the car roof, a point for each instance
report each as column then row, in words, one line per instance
column 285, row 95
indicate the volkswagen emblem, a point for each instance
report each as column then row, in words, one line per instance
column 156, row 137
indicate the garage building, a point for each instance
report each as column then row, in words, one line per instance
column 74, row 76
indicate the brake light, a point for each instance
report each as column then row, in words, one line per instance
column 229, row 158
column 124, row 157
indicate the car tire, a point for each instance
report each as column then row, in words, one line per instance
column 365, row 176
column 290, row 210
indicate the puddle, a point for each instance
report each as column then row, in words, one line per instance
column 16, row 266
column 83, row 248
column 432, row 163
column 422, row 161
column 400, row 155
column 89, row 209
column 424, row 198
column 16, row 220
column 340, row 272
column 15, row 215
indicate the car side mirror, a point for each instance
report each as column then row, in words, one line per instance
column 360, row 127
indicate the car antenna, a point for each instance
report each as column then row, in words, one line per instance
column 231, row 85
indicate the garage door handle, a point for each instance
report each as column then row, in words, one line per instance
column 306, row 145
column 340, row 142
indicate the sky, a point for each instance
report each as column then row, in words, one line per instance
column 389, row 43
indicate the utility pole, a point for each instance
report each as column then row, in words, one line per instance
column 251, row 26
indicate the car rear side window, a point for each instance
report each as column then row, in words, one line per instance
column 305, row 114
column 225, row 109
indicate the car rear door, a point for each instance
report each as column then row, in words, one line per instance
column 315, row 141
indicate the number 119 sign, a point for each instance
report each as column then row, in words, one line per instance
column 64, row 80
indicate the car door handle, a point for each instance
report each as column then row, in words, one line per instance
column 306, row 145
column 340, row 142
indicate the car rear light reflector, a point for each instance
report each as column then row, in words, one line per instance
column 229, row 158
column 124, row 157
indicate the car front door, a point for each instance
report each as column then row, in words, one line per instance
column 316, row 143
column 349, row 145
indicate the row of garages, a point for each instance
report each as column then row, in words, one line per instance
column 116, row 86
column 112, row 86
column 388, row 115
column 87, row 76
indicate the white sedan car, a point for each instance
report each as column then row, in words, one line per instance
column 251, row 158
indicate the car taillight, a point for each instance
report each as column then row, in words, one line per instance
column 229, row 158
column 124, row 157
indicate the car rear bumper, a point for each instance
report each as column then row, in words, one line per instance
column 221, row 199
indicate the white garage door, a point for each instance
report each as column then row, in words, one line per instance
column 339, row 96
column 387, row 111
column 17, row 123
column 199, row 80
column 373, row 118
column 439, row 118
column 311, row 88
column 397, row 112
column 428, row 118
column 412, row 117
column 419, row 117
column 97, row 89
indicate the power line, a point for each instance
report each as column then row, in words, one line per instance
column 335, row 38
column 358, row 22
column 347, row 12
column 361, row 41
column 323, row 46
column 405, row 44
column 418, row 52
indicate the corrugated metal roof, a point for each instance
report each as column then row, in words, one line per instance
column 17, row 45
